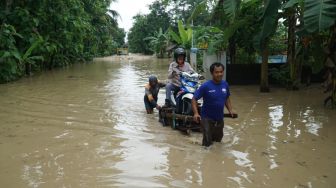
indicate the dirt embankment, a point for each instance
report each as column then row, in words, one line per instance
column 129, row 57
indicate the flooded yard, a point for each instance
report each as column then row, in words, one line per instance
column 86, row 126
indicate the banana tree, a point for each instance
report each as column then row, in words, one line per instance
column 26, row 59
column 227, row 11
column 318, row 17
column 291, row 9
column 211, row 38
column 184, row 35
column 270, row 21
column 158, row 42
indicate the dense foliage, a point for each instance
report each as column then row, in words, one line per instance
column 304, row 30
column 148, row 26
column 42, row 34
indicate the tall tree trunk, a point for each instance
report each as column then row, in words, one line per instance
column 332, row 43
column 264, row 87
column 232, row 51
column 291, row 48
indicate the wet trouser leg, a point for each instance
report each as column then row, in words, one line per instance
column 169, row 88
column 212, row 131
column 217, row 133
column 149, row 107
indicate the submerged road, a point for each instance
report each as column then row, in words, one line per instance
column 86, row 126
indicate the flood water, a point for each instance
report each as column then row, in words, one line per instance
column 86, row 126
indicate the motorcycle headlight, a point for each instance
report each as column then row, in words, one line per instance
column 190, row 89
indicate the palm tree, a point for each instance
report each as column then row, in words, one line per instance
column 113, row 16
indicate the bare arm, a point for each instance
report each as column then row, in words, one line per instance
column 229, row 106
column 151, row 98
column 197, row 117
column 161, row 84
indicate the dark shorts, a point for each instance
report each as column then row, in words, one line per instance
column 148, row 105
column 212, row 131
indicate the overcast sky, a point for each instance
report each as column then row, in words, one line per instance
column 129, row 8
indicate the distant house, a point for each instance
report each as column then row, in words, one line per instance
column 274, row 59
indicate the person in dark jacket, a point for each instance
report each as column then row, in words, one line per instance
column 151, row 94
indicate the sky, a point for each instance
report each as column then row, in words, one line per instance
column 129, row 8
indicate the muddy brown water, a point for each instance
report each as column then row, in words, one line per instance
column 86, row 126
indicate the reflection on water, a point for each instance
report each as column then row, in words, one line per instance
column 276, row 115
column 32, row 175
column 312, row 124
column 241, row 159
column 275, row 118
column 86, row 126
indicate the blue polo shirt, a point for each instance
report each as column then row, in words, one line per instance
column 214, row 98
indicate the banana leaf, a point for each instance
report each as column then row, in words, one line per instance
column 182, row 31
column 270, row 20
column 291, row 3
column 230, row 8
column 319, row 15
column 174, row 36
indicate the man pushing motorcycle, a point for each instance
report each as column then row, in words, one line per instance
column 175, row 68
column 216, row 95
column 151, row 94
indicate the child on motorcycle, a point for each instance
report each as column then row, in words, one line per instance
column 175, row 68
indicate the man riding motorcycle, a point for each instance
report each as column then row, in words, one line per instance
column 175, row 68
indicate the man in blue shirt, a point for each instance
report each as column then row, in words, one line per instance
column 216, row 95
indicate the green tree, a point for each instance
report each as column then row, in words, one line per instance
column 146, row 25
column 58, row 31
column 183, row 10
column 119, row 35
column 184, row 36
column 270, row 22
column 316, row 34
column 159, row 42
column 139, row 31
column 9, row 68
column 237, row 20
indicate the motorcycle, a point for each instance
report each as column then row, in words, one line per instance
column 180, row 114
